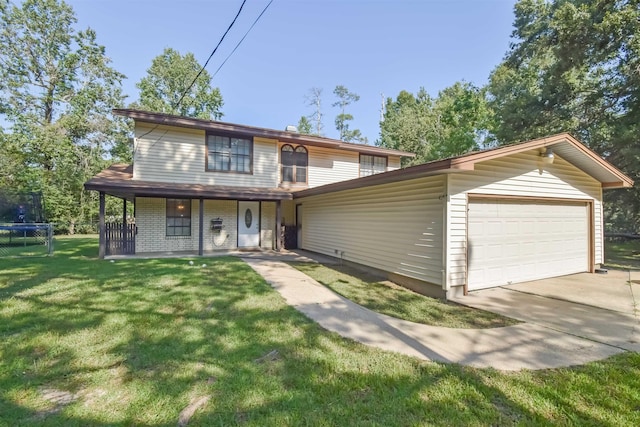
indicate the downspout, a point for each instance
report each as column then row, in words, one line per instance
column 445, row 234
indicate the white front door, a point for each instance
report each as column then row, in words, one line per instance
column 248, row 224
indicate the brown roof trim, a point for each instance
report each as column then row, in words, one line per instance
column 284, row 136
column 467, row 162
column 116, row 181
column 418, row 171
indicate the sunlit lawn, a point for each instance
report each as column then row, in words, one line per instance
column 85, row 342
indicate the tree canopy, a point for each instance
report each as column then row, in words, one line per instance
column 57, row 91
column 346, row 98
column 457, row 121
column 574, row 67
column 166, row 88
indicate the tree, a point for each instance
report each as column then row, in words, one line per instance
column 409, row 125
column 314, row 99
column 166, row 88
column 346, row 98
column 304, row 126
column 574, row 67
column 456, row 122
column 57, row 91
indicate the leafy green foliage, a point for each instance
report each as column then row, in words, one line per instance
column 455, row 122
column 346, row 98
column 573, row 67
column 167, row 81
column 57, row 94
column 304, row 126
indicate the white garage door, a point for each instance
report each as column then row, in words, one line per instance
column 511, row 242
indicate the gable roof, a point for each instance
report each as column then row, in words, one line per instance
column 252, row 131
column 563, row 144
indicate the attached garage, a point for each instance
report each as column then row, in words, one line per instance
column 514, row 240
column 511, row 214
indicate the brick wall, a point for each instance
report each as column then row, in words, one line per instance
column 151, row 220
column 267, row 225
column 227, row 238
column 152, row 232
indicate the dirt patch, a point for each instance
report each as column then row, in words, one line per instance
column 187, row 413
column 57, row 399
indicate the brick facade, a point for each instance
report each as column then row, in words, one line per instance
column 152, row 236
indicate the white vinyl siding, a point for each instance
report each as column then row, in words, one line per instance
column 519, row 175
column 327, row 166
column 173, row 154
column 393, row 227
column 393, row 163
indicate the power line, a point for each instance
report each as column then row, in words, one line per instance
column 210, row 56
column 243, row 37
column 175, row 106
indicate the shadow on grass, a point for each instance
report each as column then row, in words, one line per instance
column 382, row 296
column 135, row 341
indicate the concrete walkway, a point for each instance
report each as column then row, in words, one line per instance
column 603, row 325
column 523, row 346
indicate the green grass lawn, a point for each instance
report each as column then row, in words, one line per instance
column 388, row 298
column 85, row 342
column 623, row 255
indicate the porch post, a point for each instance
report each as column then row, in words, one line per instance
column 201, row 228
column 124, row 225
column 102, row 238
column 278, row 225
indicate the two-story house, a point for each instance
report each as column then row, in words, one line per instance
column 506, row 215
column 201, row 185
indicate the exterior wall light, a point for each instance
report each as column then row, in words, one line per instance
column 547, row 156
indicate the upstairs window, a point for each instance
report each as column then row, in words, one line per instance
column 294, row 163
column 370, row 165
column 178, row 217
column 229, row 154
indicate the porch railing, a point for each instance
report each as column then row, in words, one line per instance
column 120, row 239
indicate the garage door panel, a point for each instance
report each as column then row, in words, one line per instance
column 511, row 242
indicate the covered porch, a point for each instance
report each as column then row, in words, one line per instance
column 213, row 213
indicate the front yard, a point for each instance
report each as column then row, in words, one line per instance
column 154, row 342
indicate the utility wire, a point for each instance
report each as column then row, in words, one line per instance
column 210, row 56
column 199, row 72
column 243, row 37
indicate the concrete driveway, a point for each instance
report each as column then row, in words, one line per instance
column 603, row 308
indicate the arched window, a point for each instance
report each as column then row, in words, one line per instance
column 302, row 158
column 294, row 163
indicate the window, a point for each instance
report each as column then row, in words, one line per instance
column 178, row 217
column 229, row 154
column 370, row 165
column 294, row 163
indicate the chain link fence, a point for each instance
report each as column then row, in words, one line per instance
column 26, row 239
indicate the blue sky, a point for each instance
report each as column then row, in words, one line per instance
column 372, row 47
